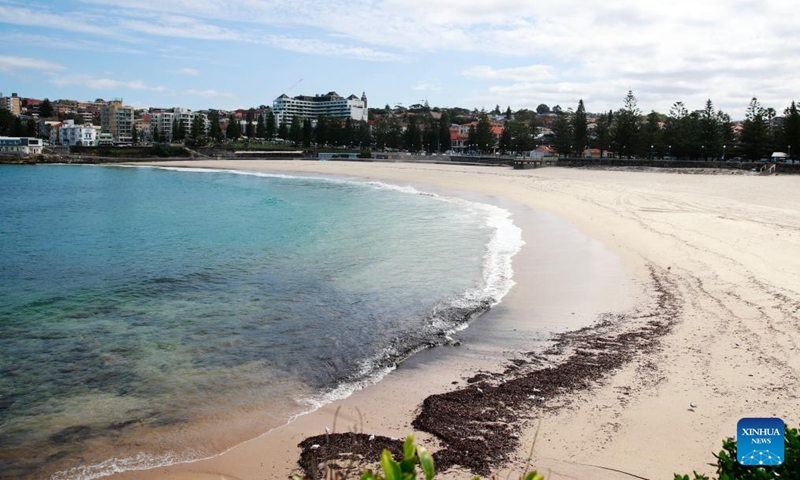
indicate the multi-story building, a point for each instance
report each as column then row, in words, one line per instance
column 11, row 103
column 70, row 134
column 117, row 119
column 328, row 105
column 20, row 146
column 165, row 121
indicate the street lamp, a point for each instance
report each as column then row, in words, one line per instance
column 651, row 152
column 723, row 152
column 669, row 154
column 704, row 151
column 789, row 151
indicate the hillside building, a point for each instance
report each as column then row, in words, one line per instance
column 117, row 119
column 328, row 105
column 12, row 103
column 71, row 135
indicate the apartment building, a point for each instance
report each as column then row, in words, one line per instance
column 12, row 103
column 165, row 120
column 117, row 119
column 328, row 105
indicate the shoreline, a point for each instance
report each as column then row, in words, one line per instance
column 558, row 191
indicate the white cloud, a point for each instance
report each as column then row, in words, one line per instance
column 209, row 93
column 192, row 72
column 532, row 72
column 524, row 50
column 12, row 64
column 427, row 87
column 62, row 43
column 102, row 83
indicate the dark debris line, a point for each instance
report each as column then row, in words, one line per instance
column 478, row 425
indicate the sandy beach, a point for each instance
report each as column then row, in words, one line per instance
column 686, row 288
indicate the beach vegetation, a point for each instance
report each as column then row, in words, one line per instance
column 729, row 469
column 414, row 458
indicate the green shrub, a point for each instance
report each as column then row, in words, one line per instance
column 729, row 469
column 406, row 469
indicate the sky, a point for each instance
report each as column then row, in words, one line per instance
column 231, row 54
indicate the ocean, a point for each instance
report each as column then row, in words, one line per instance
column 145, row 311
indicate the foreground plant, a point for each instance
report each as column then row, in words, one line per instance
column 406, row 469
column 729, row 469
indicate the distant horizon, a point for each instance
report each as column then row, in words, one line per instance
column 644, row 112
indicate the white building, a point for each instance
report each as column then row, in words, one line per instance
column 20, row 146
column 329, row 105
column 164, row 121
column 70, row 134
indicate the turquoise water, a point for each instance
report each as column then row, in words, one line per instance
column 140, row 308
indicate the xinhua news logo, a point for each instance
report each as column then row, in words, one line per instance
column 759, row 441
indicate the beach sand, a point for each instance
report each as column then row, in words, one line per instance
column 704, row 270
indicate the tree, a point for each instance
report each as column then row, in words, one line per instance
column 17, row 129
column 445, row 142
column 603, row 132
column 175, row 128
column 198, row 127
column 321, row 132
column 214, row 130
column 791, row 129
column 526, row 116
column 482, row 138
column 519, row 137
column 271, row 127
column 388, row 133
column 134, row 135
column 234, row 129
column 653, row 135
column 182, row 128
column 562, row 130
column 710, row 134
column 308, row 132
column 364, row 135
column 261, row 129
column 508, row 113
column 348, row 137
column 580, row 130
column 505, row 139
column 249, row 130
column 283, row 131
column 46, row 109
column 30, row 128
column 413, row 137
column 296, row 131
column 6, row 122
column 627, row 126
column 755, row 134
column 431, row 136
column 542, row 109
column 156, row 135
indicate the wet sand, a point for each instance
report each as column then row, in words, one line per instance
column 691, row 285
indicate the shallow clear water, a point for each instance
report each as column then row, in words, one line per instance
column 141, row 307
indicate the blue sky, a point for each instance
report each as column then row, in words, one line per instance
column 470, row 53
